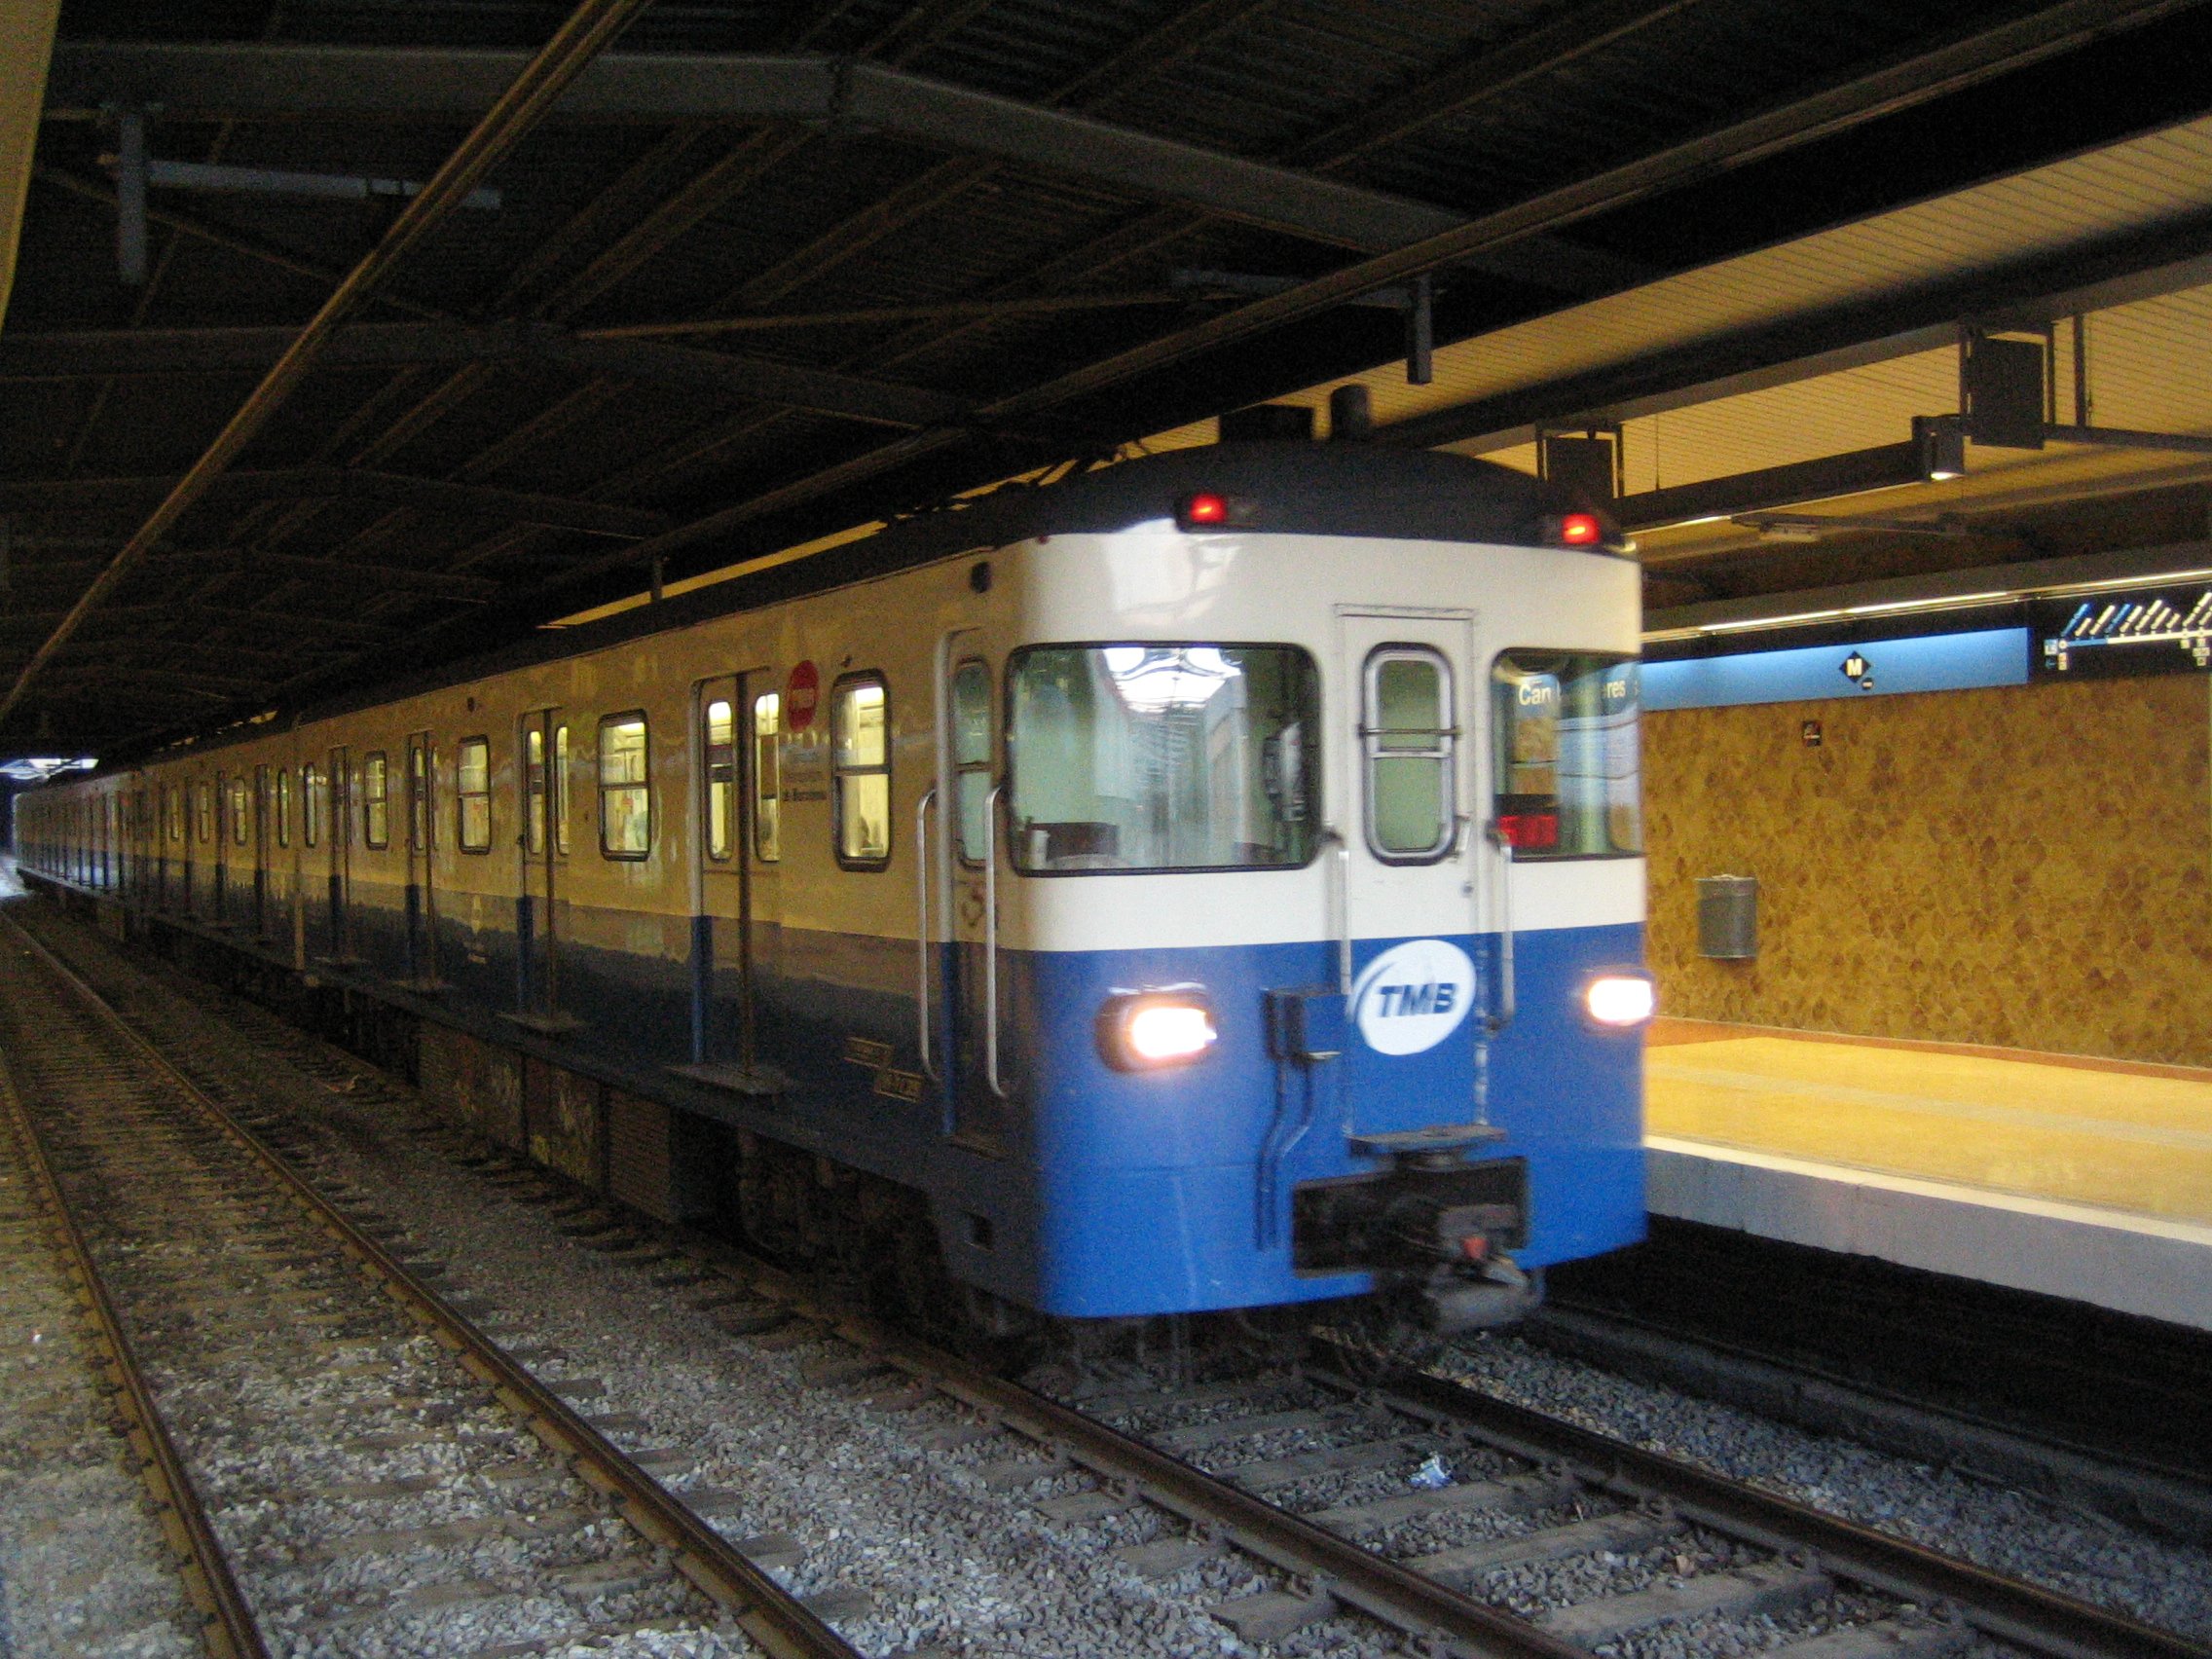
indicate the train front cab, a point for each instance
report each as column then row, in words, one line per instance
column 1277, row 975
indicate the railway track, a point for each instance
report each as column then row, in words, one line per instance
column 1525, row 1536
column 344, row 1462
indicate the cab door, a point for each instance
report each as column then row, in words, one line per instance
column 962, row 916
column 1407, row 873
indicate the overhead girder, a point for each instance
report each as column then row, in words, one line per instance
column 2028, row 293
column 426, row 495
column 1958, row 61
column 93, row 353
column 246, row 80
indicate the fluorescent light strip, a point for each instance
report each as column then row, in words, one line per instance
column 1917, row 606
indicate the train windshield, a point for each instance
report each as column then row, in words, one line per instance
column 1567, row 755
column 1163, row 756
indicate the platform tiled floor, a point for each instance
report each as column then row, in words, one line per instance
column 2134, row 1139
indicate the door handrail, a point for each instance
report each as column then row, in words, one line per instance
column 1339, row 902
column 923, row 876
column 1502, row 1010
column 991, row 942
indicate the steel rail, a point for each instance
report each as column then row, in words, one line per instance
column 1358, row 1578
column 226, row 1625
column 769, row 1614
column 587, row 31
column 2040, row 1620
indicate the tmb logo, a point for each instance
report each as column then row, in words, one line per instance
column 1413, row 996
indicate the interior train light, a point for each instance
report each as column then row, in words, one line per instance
column 1207, row 510
column 1146, row 1030
column 1620, row 1000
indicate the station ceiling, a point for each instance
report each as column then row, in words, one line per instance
column 767, row 272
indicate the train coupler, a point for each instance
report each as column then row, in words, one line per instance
column 1478, row 1297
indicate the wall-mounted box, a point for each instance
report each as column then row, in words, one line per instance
column 1728, row 917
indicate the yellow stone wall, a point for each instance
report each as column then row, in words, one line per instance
column 2028, row 866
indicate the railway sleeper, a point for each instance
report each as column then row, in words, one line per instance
column 1769, row 1587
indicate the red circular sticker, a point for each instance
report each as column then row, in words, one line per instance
column 801, row 691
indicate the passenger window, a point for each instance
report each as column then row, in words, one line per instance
column 767, row 777
column 376, row 800
column 534, row 787
column 311, row 806
column 972, row 758
column 1567, row 768
column 283, row 806
column 722, row 777
column 860, row 761
column 206, row 813
column 625, row 800
column 173, row 811
column 237, row 811
column 472, row 791
column 1408, row 736
column 561, row 790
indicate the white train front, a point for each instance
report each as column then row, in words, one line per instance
column 1212, row 882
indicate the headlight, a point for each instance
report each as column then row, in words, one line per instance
column 1620, row 1000
column 1146, row 1030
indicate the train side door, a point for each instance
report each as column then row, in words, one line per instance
column 957, row 827
column 736, row 722
column 543, row 851
column 422, row 861
column 1409, row 866
column 341, row 875
column 264, row 806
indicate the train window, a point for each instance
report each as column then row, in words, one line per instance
column 472, row 794
column 283, row 806
column 206, row 815
column 860, row 749
column 173, row 811
column 534, row 750
column 561, row 790
column 1161, row 756
column 1407, row 733
column 722, row 777
column 237, row 811
column 971, row 757
column 625, row 795
column 311, row 806
column 376, row 800
column 767, row 777
column 1568, row 782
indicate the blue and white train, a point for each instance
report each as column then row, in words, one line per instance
column 1209, row 882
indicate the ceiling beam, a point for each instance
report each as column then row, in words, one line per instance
column 2088, row 276
column 94, row 354
column 1960, row 60
column 434, row 496
column 260, row 82
column 518, row 107
column 348, row 576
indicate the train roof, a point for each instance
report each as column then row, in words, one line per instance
column 1282, row 487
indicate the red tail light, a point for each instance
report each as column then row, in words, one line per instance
column 1582, row 530
column 1206, row 510
column 1530, row 832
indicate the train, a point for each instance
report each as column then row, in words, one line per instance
column 1204, row 883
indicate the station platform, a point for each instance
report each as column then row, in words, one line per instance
column 2080, row 1178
